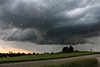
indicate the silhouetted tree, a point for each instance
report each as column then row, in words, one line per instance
column 68, row 49
column 33, row 53
column 23, row 53
column 45, row 52
column 71, row 48
column 64, row 50
column 52, row 53
column 29, row 53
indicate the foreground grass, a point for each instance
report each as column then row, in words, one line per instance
column 89, row 62
column 42, row 57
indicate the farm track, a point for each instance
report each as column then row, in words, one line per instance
column 26, row 64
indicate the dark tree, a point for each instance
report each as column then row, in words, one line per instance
column 29, row 53
column 71, row 48
column 33, row 53
column 52, row 53
column 67, row 50
column 64, row 50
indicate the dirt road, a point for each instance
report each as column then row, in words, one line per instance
column 26, row 64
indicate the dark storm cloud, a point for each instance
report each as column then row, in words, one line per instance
column 49, row 22
column 4, row 1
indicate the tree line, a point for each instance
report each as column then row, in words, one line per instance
column 11, row 54
column 16, row 54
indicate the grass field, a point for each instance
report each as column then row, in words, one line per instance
column 77, row 63
column 42, row 57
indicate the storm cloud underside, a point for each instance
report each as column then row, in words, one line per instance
column 49, row 21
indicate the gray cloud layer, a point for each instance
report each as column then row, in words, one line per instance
column 49, row 22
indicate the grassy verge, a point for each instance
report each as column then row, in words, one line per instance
column 89, row 62
column 42, row 57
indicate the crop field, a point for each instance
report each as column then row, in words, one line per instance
column 42, row 57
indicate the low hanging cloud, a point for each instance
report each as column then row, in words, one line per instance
column 49, row 22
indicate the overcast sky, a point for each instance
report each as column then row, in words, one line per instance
column 30, row 25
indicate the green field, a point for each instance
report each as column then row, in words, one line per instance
column 86, row 62
column 42, row 57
